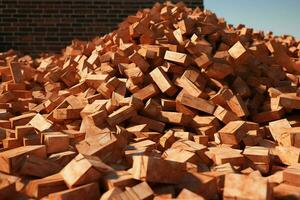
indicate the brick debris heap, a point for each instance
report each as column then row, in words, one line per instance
column 174, row 104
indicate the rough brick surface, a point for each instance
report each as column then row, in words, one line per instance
column 33, row 26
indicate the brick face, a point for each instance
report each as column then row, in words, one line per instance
column 34, row 26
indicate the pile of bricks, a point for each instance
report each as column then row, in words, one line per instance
column 174, row 104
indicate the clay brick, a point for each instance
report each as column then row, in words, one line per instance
column 105, row 146
column 287, row 155
column 178, row 36
column 289, row 101
column 62, row 158
column 197, row 103
column 56, row 142
column 241, row 87
column 163, row 82
column 39, row 188
column 147, row 92
column 170, row 172
column 286, row 191
column 174, row 118
column 291, row 175
column 235, row 131
column 277, row 128
column 167, row 139
column 12, row 159
column 181, row 156
column 15, row 70
column 259, row 157
column 21, row 120
column 119, row 179
column 112, row 193
column 203, row 61
column 135, row 75
column 219, row 71
column 224, row 115
column 22, row 131
column 139, row 61
column 237, row 51
column 201, row 184
column 88, row 191
column 222, row 155
column 7, row 187
column 40, row 123
column 141, row 191
column 38, row 167
column 179, row 58
column 187, row 194
column 151, row 123
column 90, row 170
column 257, row 154
column 260, row 188
column 66, row 113
column 121, row 115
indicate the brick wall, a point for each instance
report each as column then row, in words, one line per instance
column 34, row 26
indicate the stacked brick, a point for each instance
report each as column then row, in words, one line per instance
column 33, row 27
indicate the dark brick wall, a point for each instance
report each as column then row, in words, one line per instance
column 34, row 26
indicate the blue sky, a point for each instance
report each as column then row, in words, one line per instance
column 279, row 16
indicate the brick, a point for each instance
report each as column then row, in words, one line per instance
column 106, row 146
column 286, row 191
column 135, row 75
column 259, row 157
column 90, row 170
column 179, row 58
column 40, row 123
column 140, row 191
column 203, row 61
column 291, row 175
column 12, row 159
column 219, row 71
column 238, row 51
column 121, row 115
column 260, row 188
column 21, row 119
column 277, row 128
column 88, row 191
column 162, row 81
column 38, row 167
column 189, row 81
column 119, row 179
column 174, row 118
column 199, row 184
column 287, row 155
column 151, row 123
column 143, row 169
column 222, row 155
column 15, row 70
column 139, row 61
column 7, row 186
column 147, row 92
column 197, row 103
column 167, row 139
column 289, row 101
column 56, row 142
column 187, row 194
column 235, row 131
column 39, row 188
column 112, row 193
column 224, row 115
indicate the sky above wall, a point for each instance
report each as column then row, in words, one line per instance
column 279, row 16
